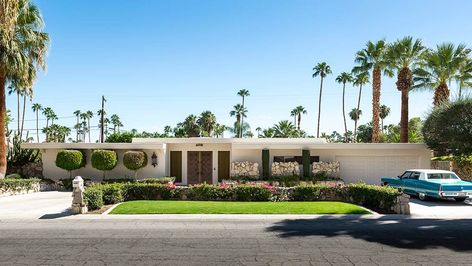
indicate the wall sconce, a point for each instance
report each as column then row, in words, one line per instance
column 154, row 159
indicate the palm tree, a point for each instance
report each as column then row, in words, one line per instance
column 167, row 131
column 438, row 68
column 115, row 121
column 268, row 133
column 372, row 58
column 17, row 91
column 207, row 122
column 355, row 115
column 258, row 130
column 36, row 107
column 47, row 113
column 403, row 56
column 239, row 111
column 344, row 78
column 243, row 93
column 189, row 127
column 88, row 116
column 219, row 130
column 384, row 112
column 23, row 47
column 464, row 76
column 360, row 80
column 285, row 129
column 99, row 114
column 297, row 113
column 321, row 69
column 77, row 115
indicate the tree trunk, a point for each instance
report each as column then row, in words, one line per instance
column 37, row 125
column 358, row 108
column 238, row 124
column 441, row 94
column 242, row 121
column 344, row 113
column 299, row 120
column 77, row 130
column 23, row 117
column 18, row 111
column 3, row 113
column 376, row 85
column 88, row 125
column 319, row 109
column 404, row 82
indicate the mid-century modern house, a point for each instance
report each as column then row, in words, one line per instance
column 198, row 160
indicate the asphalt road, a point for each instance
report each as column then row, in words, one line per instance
column 210, row 241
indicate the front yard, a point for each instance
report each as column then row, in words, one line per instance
column 220, row 207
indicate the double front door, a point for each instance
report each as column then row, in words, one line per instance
column 199, row 167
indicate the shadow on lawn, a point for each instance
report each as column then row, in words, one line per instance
column 392, row 231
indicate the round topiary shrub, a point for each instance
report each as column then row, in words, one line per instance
column 135, row 160
column 104, row 160
column 70, row 160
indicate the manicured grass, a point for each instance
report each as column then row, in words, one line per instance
column 220, row 207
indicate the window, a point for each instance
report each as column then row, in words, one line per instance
column 405, row 175
column 415, row 175
column 442, row 176
column 298, row 159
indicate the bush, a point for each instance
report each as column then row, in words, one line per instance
column 251, row 193
column 111, row 193
column 158, row 180
column 141, row 191
column 135, row 160
column 93, row 198
column 118, row 180
column 66, row 183
column 18, row 184
column 209, row 192
column 122, row 137
column 104, row 160
column 70, row 160
column 286, row 181
column 314, row 193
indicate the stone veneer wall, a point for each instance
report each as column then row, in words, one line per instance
column 330, row 168
column 246, row 169
column 28, row 170
column 285, row 169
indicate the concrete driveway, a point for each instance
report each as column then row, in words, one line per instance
column 448, row 209
column 40, row 205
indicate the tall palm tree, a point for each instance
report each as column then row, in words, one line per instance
column 464, row 76
column 404, row 55
column 285, row 129
column 36, row 107
column 321, row 69
column 258, row 130
column 384, row 112
column 344, row 78
column 89, row 115
column 99, row 114
column 372, row 58
column 77, row 115
column 243, row 93
column 360, row 80
column 438, row 68
column 219, row 130
column 207, row 122
column 268, row 133
column 355, row 114
column 115, row 121
column 47, row 113
column 190, row 126
column 23, row 46
column 297, row 113
column 239, row 111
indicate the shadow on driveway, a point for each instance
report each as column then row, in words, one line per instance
column 396, row 232
column 62, row 214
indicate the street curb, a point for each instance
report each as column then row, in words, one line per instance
column 110, row 209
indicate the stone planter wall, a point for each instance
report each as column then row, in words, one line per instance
column 285, row 169
column 330, row 168
column 245, row 169
column 28, row 170
column 35, row 188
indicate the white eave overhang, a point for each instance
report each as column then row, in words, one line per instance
column 95, row 146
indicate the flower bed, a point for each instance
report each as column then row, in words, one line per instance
column 381, row 199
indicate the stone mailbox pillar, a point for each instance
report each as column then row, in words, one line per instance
column 78, row 202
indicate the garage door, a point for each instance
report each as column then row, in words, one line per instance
column 370, row 169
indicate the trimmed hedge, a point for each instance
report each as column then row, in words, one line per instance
column 70, row 160
column 18, row 184
column 141, row 191
column 93, row 197
column 135, row 160
column 104, row 160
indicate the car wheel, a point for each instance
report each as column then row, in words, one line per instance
column 460, row 199
column 422, row 196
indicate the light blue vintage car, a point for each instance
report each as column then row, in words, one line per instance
column 426, row 183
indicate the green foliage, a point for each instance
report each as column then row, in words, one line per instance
column 311, row 192
column 143, row 191
column 374, row 197
column 93, row 198
column 265, row 163
column 135, row 160
column 66, row 183
column 449, row 127
column 118, row 180
column 251, row 193
column 111, row 193
column 158, row 180
column 120, row 137
column 323, row 176
column 207, row 192
column 70, row 160
column 104, row 160
column 14, row 176
column 17, row 184
column 16, row 156
column 286, row 181
column 306, row 163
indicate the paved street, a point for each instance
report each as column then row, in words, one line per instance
column 239, row 241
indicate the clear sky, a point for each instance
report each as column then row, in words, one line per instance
column 158, row 61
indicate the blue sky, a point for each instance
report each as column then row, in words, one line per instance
column 158, row 61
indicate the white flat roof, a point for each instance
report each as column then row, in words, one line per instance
column 93, row 146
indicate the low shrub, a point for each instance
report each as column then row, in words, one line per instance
column 111, row 193
column 286, row 181
column 18, row 184
column 14, row 176
column 313, row 193
column 158, row 180
column 118, row 180
column 209, row 192
column 135, row 160
column 104, row 160
column 70, row 160
column 251, row 193
column 93, row 198
column 370, row 196
column 142, row 191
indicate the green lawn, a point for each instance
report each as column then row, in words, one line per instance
column 221, row 207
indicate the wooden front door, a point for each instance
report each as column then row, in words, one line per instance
column 199, row 167
column 176, row 165
column 223, row 165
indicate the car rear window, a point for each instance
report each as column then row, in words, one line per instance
column 442, row 176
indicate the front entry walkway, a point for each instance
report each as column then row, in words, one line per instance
column 40, row 205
